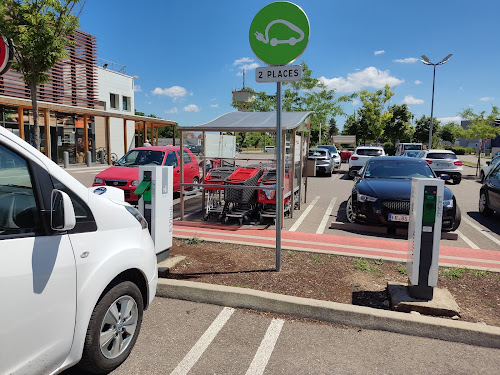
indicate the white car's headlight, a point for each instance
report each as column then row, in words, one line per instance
column 135, row 183
column 98, row 180
column 136, row 213
column 366, row 198
column 448, row 203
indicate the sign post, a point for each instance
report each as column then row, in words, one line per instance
column 279, row 34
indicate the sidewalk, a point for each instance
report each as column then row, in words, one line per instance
column 331, row 244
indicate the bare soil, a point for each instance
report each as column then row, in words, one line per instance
column 328, row 277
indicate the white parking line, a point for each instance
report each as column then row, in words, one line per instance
column 467, row 241
column 266, row 348
column 328, row 212
column 304, row 214
column 484, row 232
column 197, row 350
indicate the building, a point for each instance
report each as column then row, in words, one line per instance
column 84, row 107
column 488, row 146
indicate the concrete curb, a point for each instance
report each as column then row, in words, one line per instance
column 359, row 316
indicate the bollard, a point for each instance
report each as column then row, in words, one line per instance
column 89, row 158
column 102, row 157
column 66, row 159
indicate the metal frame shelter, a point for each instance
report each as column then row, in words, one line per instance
column 45, row 108
column 261, row 122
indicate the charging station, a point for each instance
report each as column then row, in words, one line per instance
column 156, row 205
column 424, row 235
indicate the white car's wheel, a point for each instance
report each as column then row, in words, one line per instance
column 113, row 329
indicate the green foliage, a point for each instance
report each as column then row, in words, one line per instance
column 422, row 126
column 379, row 262
column 364, row 265
column 398, row 126
column 193, row 241
column 316, row 260
column 389, row 148
column 373, row 113
column 451, row 132
column 332, row 127
column 401, row 269
column 454, row 273
column 40, row 32
column 478, row 273
column 458, row 150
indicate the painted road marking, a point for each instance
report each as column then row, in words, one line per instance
column 328, row 212
column 266, row 348
column 304, row 214
column 482, row 231
column 466, row 239
column 197, row 350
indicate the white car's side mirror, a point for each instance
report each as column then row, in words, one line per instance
column 62, row 215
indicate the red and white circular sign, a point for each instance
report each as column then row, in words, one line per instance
column 5, row 55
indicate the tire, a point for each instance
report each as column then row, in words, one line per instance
column 192, row 188
column 482, row 176
column 100, row 358
column 458, row 219
column 483, row 204
column 349, row 212
column 457, row 179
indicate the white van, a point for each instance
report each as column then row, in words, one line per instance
column 402, row 147
column 77, row 268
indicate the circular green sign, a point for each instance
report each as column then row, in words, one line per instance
column 279, row 33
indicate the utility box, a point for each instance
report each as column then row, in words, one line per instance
column 424, row 234
column 311, row 168
column 156, row 205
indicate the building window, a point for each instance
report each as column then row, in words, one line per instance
column 126, row 103
column 113, row 101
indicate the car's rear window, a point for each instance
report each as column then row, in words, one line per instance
column 317, row 153
column 330, row 148
column 369, row 152
column 440, row 155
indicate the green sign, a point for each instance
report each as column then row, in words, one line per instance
column 279, row 33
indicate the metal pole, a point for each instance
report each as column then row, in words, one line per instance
column 279, row 182
column 432, row 107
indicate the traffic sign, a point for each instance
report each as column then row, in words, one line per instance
column 278, row 73
column 5, row 55
column 279, row 33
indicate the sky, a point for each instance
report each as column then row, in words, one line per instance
column 189, row 54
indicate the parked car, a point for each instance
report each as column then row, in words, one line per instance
column 381, row 193
column 489, row 194
column 324, row 161
column 412, row 153
column 401, row 148
column 346, row 154
column 195, row 149
column 360, row 157
column 269, row 149
column 333, row 153
column 444, row 161
column 485, row 169
column 124, row 174
column 78, row 269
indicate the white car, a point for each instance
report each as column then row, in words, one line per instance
column 485, row 169
column 334, row 154
column 77, row 268
column 361, row 155
column 444, row 162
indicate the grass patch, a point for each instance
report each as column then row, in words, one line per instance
column 453, row 273
column 242, row 286
column 193, row 241
column 478, row 273
column 293, row 254
column 316, row 260
column 379, row 262
column 401, row 268
column 364, row 265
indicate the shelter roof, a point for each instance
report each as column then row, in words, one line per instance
column 251, row 122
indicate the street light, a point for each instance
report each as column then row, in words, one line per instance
column 426, row 61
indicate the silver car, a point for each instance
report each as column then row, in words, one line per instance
column 324, row 161
column 333, row 153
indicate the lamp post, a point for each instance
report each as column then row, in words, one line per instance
column 426, row 61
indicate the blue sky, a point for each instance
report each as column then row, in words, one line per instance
column 189, row 54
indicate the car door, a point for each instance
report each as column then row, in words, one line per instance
column 37, row 271
column 190, row 166
column 493, row 184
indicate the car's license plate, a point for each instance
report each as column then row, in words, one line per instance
column 443, row 165
column 401, row 218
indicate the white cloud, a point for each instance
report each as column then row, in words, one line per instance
column 487, row 99
column 173, row 110
column 408, row 60
column 411, row 100
column 214, row 105
column 243, row 60
column 378, row 52
column 137, row 88
column 417, row 82
column 446, row 120
column 191, row 108
column 174, row 92
column 355, row 102
column 247, row 67
column 369, row 77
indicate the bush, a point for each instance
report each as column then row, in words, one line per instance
column 389, row 148
column 459, row 150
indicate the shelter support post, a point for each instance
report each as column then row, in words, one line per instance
column 125, row 142
column 85, row 135
column 20, row 121
column 203, row 168
column 307, row 172
column 283, row 172
column 46, row 122
column 301, row 163
column 144, row 132
column 108, row 139
column 181, row 155
column 152, row 132
column 292, row 171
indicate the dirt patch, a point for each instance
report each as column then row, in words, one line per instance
column 328, row 277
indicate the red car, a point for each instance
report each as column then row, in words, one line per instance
column 124, row 174
column 345, row 155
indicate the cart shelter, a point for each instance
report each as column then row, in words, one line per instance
column 292, row 123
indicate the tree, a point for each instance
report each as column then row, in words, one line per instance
column 308, row 94
column 481, row 126
column 398, row 126
column 450, row 132
column 422, row 126
column 373, row 113
column 333, row 129
column 39, row 32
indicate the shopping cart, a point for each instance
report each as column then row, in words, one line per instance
column 267, row 198
column 215, row 201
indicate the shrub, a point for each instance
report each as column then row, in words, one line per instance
column 458, row 149
column 389, row 148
